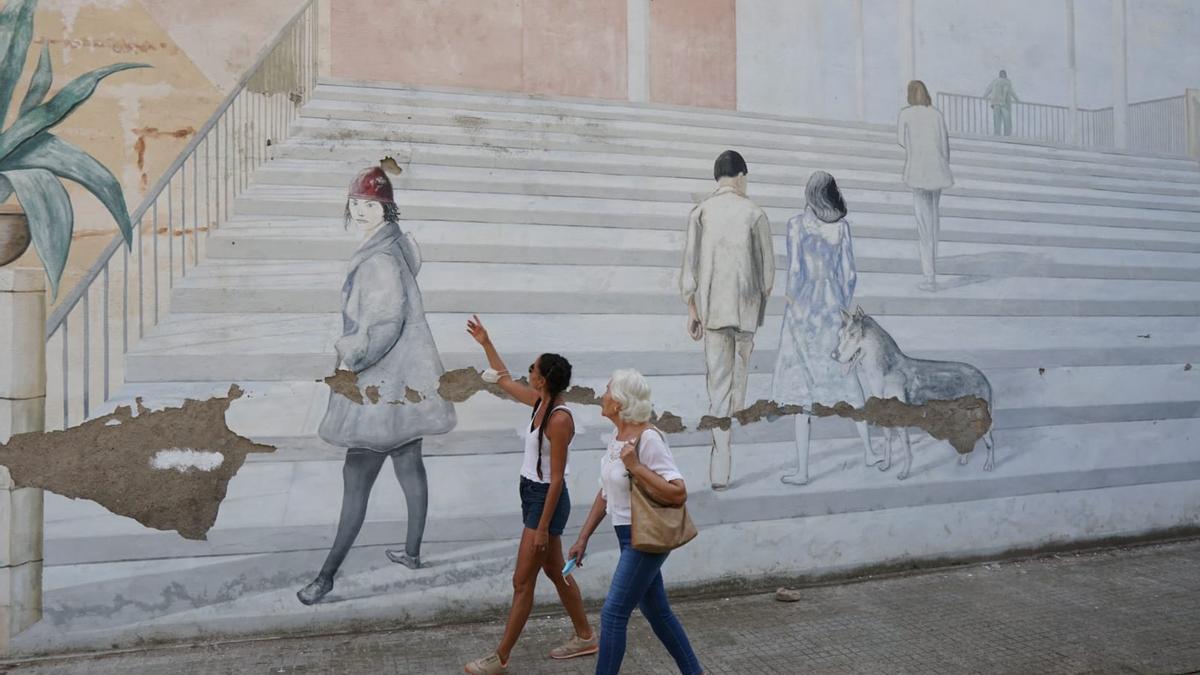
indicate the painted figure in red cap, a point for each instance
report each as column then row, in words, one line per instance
column 386, row 342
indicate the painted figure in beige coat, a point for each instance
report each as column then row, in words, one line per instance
column 921, row 131
column 728, row 273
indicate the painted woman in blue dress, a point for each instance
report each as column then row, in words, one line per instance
column 820, row 284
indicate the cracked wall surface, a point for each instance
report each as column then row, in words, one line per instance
column 111, row 460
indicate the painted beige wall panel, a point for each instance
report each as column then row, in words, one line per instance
column 222, row 37
column 429, row 42
column 136, row 123
column 693, row 52
column 575, row 47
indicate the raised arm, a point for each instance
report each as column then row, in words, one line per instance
column 521, row 392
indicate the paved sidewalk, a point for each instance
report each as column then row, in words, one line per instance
column 1133, row 610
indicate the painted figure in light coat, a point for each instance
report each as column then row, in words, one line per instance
column 387, row 343
column 727, row 277
column 1001, row 95
column 820, row 285
column 921, row 131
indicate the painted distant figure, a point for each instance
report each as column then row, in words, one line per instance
column 820, row 286
column 1001, row 95
column 387, row 343
column 921, row 131
column 728, row 272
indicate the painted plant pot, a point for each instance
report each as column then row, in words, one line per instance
column 14, row 233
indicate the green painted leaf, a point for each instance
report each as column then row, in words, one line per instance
column 16, row 32
column 39, row 84
column 46, row 151
column 51, row 219
column 57, row 108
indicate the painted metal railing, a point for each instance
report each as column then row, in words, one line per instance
column 1158, row 126
column 130, row 286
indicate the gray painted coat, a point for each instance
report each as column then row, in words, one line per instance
column 387, row 342
column 921, row 131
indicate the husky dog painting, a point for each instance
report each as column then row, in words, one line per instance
column 886, row 372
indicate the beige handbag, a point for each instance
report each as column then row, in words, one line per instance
column 656, row 528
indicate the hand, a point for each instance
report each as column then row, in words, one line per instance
column 695, row 327
column 629, row 455
column 578, row 550
column 477, row 331
column 541, row 540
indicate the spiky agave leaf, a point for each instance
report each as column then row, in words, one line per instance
column 47, row 151
column 16, row 32
column 39, row 84
column 57, row 108
column 51, row 219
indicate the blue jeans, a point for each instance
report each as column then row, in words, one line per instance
column 638, row 583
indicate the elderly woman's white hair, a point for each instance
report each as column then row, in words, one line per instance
column 631, row 391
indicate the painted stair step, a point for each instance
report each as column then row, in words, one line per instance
column 1024, row 397
column 390, row 115
column 244, row 286
column 432, row 152
column 531, row 244
column 297, row 498
column 228, row 347
column 351, row 95
column 582, row 179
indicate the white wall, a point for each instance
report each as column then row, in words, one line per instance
column 797, row 56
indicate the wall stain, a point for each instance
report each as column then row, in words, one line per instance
column 108, row 460
column 139, row 146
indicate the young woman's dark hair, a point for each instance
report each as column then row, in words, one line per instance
column 729, row 164
column 556, row 371
column 391, row 214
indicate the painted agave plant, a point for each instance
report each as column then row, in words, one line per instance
column 33, row 161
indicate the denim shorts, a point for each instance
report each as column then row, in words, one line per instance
column 533, row 503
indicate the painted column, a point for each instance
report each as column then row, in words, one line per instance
column 1073, row 129
column 860, row 62
column 324, row 44
column 638, row 40
column 22, row 409
column 1120, row 77
column 1193, row 122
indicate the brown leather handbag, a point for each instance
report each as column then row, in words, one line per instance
column 655, row 527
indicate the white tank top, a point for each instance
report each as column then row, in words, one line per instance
column 529, row 465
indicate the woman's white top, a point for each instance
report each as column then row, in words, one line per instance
column 614, row 479
column 529, row 464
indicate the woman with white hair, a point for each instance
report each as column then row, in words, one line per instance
column 639, row 452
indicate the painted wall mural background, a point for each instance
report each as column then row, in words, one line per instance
column 839, row 291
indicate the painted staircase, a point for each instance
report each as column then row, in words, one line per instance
column 1072, row 278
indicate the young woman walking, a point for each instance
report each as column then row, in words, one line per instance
column 921, row 131
column 640, row 452
column 545, row 502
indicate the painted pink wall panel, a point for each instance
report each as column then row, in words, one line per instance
column 575, row 48
column 430, row 42
column 693, row 52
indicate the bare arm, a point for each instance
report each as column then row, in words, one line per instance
column 521, row 392
column 668, row 493
column 593, row 520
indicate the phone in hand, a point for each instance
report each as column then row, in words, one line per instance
column 569, row 567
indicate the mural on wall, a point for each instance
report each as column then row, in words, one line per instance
column 386, row 343
column 820, row 286
column 33, row 161
column 922, row 133
column 727, row 277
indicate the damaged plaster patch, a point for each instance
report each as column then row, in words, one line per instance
column 113, row 465
column 962, row 421
column 186, row 459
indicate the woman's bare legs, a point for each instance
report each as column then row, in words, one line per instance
column 568, row 593
column 529, row 562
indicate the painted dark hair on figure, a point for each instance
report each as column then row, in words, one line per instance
column 729, row 164
column 556, row 371
column 824, row 198
column 391, row 214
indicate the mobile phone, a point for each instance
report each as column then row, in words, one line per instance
column 568, row 568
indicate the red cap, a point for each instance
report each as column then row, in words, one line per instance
column 372, row 184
